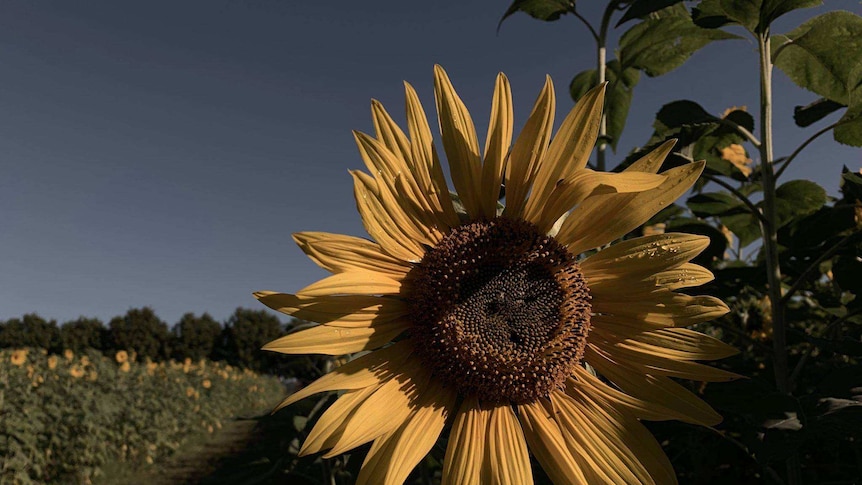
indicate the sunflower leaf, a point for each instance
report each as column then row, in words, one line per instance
column 814, row 112
column 823, row 55
column 547, row 10
column 665, row 41
column 754, row 15
column 641, row 8
column 714, row 204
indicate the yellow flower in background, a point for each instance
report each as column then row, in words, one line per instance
column 68, row 354
column 18, row 357
column 85, row 361
column 125, row 366
column 207, row 384
column 485, row 316
column 122, row 356
column 52, row 362
column 735, row 154
column 76, row 371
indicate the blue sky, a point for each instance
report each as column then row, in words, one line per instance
column 161, row 153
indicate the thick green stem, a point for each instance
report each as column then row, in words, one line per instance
column 770, row 237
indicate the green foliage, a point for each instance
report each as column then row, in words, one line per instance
column 62, row 420
column 31, row 330
column 195, row 337
column 83, row 333
column 142, row 331
column 754, row 15
column 664, row 41
column 547, row 10
column 245, row 333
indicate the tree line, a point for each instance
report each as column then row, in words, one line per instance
column 236, row 341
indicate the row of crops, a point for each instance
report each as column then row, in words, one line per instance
column 64, row 417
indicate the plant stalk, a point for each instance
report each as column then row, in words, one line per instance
column 770, row 237
column 602, row 41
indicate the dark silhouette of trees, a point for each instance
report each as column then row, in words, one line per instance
column 195, row 337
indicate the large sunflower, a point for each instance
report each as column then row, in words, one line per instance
column 485, row 317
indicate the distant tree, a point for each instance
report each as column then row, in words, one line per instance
column 31, row 330
column 245, row 333
column 142, row 331
column 195, row 337
column 83, row 333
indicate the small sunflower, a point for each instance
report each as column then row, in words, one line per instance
column 18, row 357
column 488, row 317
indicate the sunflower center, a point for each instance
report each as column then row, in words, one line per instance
column 501, row 311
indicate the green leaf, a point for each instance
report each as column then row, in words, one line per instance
column 665, row 41
column 754, row 15
column 618, row 96
column 745, row 226
column 851, row 184
column 547, row 10
column 849, row 130
column 823, row 55
column 641, row 8
column 715, row 204
column 814, row 112
column 796, row 199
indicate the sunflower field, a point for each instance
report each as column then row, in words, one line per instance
column 64, row 417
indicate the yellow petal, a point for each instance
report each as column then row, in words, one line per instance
column 639, row 407
column 684, row 276
column 338, row 253
column 353, row 283
column 623, row 433
column 603, row 218
column 660, row 390
column 508, row 459
column 335, row 340
column 378, row 221
column 465, row 452
column 329, row 427
column 426, row 163
column 681, row 344
column 569, row 150
column 574, row 189
column 368, row 370
column 660, row 308
column 548, row 445
column 393, row 456
column 398, row 191
column 385, row 409
column 658, row 361
column 652, row 161
column 635, row 258
column 459, row 142
column 344, row 311
column 496, row 146
column 528, row 151
column 389, row 133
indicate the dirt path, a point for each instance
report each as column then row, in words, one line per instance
column 200, row 462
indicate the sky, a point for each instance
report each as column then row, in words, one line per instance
column 162, row 153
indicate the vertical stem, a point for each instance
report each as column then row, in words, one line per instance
column 602, row 41
column 770, row 237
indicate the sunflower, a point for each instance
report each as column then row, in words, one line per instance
column 501, row 321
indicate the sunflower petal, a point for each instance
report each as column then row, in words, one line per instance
column 569, row 150
column 681, row 344
column 508, row 458
column 368, row 370
column 658, row 361
column 465, row 452
column 343, row 311
column 548, row 445
column 393, row 456
column 459, row 142
column 621, row 213
column 660, row 390
column 684, row 276
column 385, row 409
column 496, row 146
column 528, row 150
column 639, row 407
column 625, row 434
column 329, row 427
column 338, row 253
column 335, row 340
column 661, row 308
column 426, row 163
column 389, row 133
column 378, row 221
column 635, row 258
column 573, row 190
column 652, row 161
column 353, row 283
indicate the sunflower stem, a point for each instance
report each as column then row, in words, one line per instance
column 601, row 67
column 770, row 236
